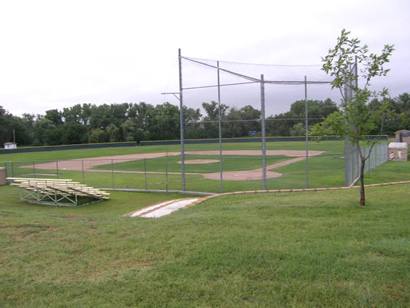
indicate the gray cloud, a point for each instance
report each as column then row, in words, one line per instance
column 60, row 53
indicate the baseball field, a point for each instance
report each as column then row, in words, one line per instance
column 159, row 167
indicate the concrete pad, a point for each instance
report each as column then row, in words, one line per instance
column 163, row 208
column 150, row 208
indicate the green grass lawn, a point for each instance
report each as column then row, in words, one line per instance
column 303, row 249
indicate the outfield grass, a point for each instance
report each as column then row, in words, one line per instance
column 303, row 249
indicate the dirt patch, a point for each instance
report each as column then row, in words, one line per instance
column 252, row 175
column 87, row 164
column 200, row 161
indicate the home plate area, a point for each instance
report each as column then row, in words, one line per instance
column 163, row 208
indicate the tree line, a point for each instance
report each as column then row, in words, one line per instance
column 90, row 123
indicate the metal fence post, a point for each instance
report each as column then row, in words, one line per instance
column 306, row 138
column 112, row 174
column 34, row 169
column 181, row 121
column 348, row 163
column 57, row 169
column 145, row 174
column 221, row 167
column 82, row 171
column 263, row 132
column 7, row 167
column 166, row 172
column 358, row 162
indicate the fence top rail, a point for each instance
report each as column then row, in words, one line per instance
column 15, row 179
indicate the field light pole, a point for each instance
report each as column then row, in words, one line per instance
column 181, row 121
column 263, row 132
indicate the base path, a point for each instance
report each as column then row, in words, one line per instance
column 89, row 163
column 252, row 175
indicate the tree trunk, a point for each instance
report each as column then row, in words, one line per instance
column 362, row 191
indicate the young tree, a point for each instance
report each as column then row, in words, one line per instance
column 346, row 63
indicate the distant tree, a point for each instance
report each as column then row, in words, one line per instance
column 54, row 116
column 356, row 119
column 284, row 124
column 113, row 133
column 164, row 122
column 298, row 129
column 97, row 135
column 242, row 122
column 46, row 132
column 128, row 131
column 73, row 133
column 25, row 134
column 12, row 126
column 192, row 124
column 100, row 116
column 142, row 121
column 331, row 126
column 401, row 108
column 211, row 117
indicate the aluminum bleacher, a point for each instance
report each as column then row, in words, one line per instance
column 60, row 192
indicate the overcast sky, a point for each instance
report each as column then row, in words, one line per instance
column 59, row 53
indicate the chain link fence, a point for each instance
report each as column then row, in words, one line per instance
column 377, row 155
column 238, row 167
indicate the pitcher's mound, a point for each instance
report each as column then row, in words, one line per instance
column 200, row 161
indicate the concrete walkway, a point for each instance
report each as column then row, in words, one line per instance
column 163, row 208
